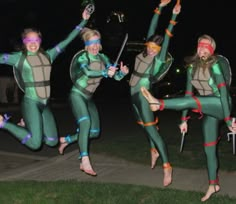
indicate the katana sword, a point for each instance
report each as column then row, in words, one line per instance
column 182, row 142
column 232, row 134
column 233, row 138
column 121, row 50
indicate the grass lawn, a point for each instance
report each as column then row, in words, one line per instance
column 74, row 192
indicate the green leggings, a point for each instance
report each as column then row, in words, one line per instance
column 213, row 113
column 145, row 115
column 40, row 125
column 87, row 119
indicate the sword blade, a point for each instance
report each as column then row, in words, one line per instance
column 182, row 142
column 233, row 144
column 232, row 134
column 121, row 50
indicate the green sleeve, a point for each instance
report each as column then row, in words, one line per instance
column 118, row 75
column 189, row 90
column 105, row 59
column 163, row 59
column 83, row 64
column 153, row 24
column 54, row 52
column 224, row 92
column 166, row 41
column 10, row 59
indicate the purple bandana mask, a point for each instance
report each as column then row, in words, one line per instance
column 32, row 40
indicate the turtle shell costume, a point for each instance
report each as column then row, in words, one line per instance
column 32, row 73
column 207, row 93
column 87, row 71
column 149, row 70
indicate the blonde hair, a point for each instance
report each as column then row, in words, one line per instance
column 87, row 34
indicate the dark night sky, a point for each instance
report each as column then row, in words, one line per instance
column 57, row 18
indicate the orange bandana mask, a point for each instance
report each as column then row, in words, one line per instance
column 153, row 46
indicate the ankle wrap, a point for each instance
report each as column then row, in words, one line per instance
column 166, row 166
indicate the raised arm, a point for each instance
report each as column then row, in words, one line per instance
column 155, row 18
column 169, row 31
column 10, row 59
column 54, row 52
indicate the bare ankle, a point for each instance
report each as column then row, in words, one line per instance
column 62, row 140
column 63, row 145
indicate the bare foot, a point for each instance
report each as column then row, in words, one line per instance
column 167, row 174
column 212, row 189
column 154, row 157
column 154, row 103
column 86, row 166
column 62, row 146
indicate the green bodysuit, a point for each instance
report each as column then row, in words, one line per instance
column 148, row 70
column 34, row 75
column 87, row 71
column 213, row 102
